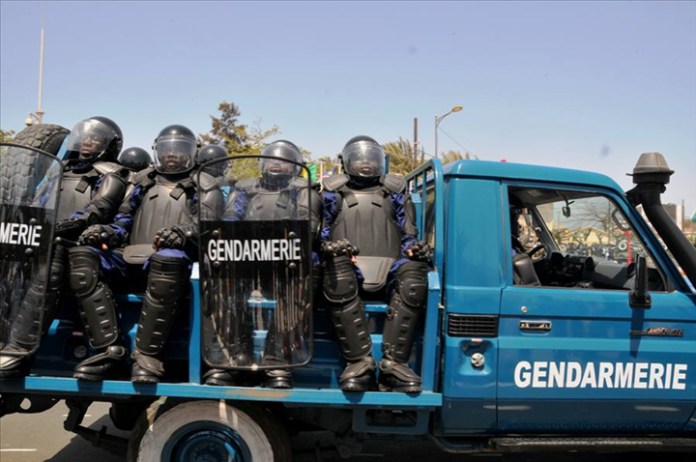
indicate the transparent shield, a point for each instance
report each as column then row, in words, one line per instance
column 29, row 187
column 256, row 267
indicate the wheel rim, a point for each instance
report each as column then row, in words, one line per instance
column 206, row 442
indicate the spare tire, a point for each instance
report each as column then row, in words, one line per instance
column 47, row 137
column 19, row 173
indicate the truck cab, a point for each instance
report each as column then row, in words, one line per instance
column 567, row 347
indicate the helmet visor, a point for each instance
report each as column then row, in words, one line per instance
column 90, row 139
column 175, row 155
column 276, row 163
column 364, row 159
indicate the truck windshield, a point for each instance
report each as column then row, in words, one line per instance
column 573, row 235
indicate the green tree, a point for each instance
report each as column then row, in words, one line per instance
column 452, row 156
column 259, row 137
column 402, row 156
column 6, row 136
column 234, row 136
column 238, row 139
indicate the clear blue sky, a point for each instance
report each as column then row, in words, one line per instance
column 587, row 85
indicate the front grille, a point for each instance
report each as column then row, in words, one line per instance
column 472, row 325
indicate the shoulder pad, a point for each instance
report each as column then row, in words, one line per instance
column 248, row 184
column 206, row 182
column 104, row 167
column 335, row 182
column 143, row 176
column 394, row 183
column 299, row 183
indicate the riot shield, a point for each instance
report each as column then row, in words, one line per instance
column 29, row 189
column 256, row 267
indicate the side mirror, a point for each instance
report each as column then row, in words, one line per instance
column 639, row 296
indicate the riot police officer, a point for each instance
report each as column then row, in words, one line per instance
column 369, row 221
column 209, row 153
column 159, row 218
column 266, row 199
column 92, row 189
column 134, row 158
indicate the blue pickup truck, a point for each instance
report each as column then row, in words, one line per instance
column 561, row 316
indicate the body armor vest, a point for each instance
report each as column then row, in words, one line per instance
column 76, row 189
column 366, row 217
column 289, row 203
column 165, row 204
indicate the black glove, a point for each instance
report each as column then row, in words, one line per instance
column 70, row 228
column 420, row 251
column 170, row 238
column 339, row 248
column 100, row 236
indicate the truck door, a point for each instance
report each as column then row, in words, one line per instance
column 573, row 353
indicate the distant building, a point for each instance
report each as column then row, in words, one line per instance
column 675, row 212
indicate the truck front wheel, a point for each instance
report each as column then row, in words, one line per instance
column 209, row 431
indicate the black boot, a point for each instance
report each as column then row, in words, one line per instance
column 358, row 376
column 108, row 364
column 146, row 368
column 220, row 377
column 278, row 378
column 14, row 361
column 396, row 376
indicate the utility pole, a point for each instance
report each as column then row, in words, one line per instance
column 37, row 117
column 415, row 141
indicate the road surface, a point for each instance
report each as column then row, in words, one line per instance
column 41, row 438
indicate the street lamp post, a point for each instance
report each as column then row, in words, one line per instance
column 438, row 119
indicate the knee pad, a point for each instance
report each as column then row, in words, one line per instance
column 167, row 277
column 85, row 267
column 340, row 283
column 412, row 283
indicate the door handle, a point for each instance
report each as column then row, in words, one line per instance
column 537, row 326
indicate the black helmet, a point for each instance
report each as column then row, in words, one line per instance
column 96, row 138
column 363, row 157
column 213, row 152
column 134, row 158
column 175, row 149
column 273, row 170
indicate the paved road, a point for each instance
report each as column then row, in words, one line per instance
column 41, row 438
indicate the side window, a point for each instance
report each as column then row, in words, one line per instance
column 582, row 240
column 429, row 234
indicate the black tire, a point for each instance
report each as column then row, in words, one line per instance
column 21, row 174
column 47, row 137
column 254, row 432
